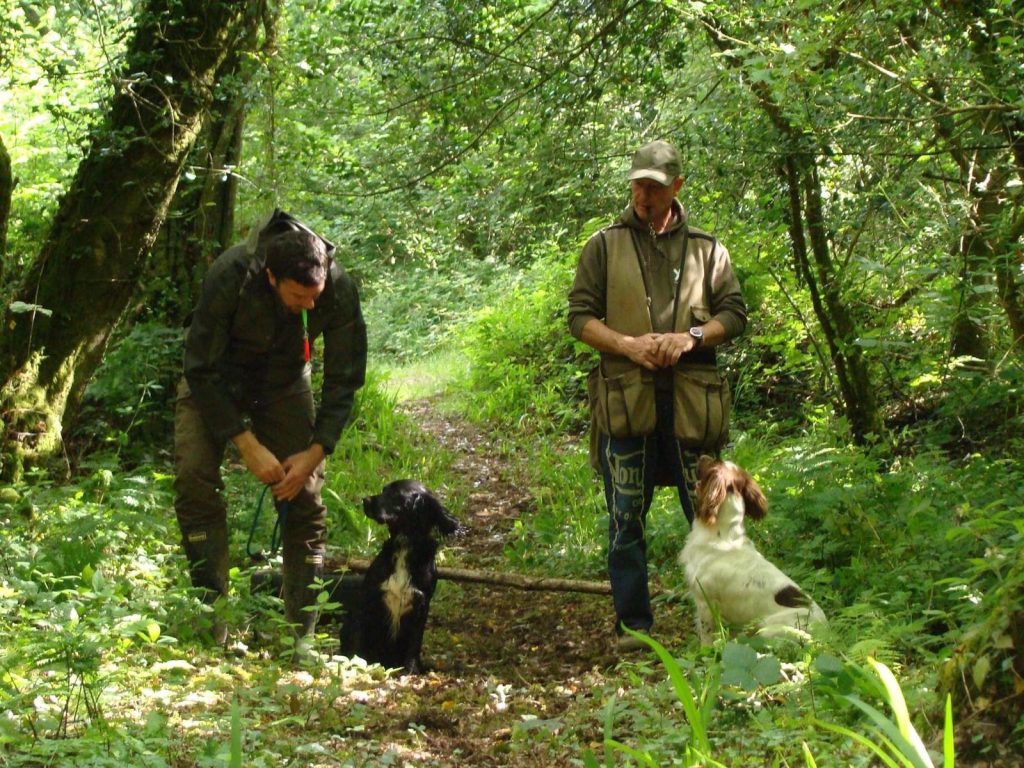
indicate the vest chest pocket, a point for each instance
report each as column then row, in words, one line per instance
column 702, row 402
column 622, row 406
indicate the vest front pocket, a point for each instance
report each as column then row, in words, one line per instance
column 622, row 406
column 702, row 401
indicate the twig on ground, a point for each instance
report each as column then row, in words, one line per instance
column 516, row 580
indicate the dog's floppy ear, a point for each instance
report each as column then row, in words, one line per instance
column 704, row 465
column 755, row 505
column 710, row 489
column 438, row 514
column 372, row 508
column 447, row 523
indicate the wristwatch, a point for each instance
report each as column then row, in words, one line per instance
column 698, row 335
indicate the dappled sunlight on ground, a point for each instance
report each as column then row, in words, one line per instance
column 426, row 377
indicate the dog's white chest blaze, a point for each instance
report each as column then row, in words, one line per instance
column 398, row 592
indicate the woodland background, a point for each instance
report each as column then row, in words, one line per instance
column 863, row 161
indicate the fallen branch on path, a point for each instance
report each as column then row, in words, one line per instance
column 517, row 580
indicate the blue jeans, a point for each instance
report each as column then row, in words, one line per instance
column 630, row 467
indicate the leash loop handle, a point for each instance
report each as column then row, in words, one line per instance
column 275, row 536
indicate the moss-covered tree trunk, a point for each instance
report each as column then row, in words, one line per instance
column 87, row 270
column 201, row 222
column 6, row 191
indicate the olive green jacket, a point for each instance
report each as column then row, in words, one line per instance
column 245, row 348
column 705, row 288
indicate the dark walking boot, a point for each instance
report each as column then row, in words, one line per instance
column 207, row 553
column 302, row 567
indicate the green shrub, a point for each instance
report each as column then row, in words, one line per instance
column 982, row 410
column 984, row 667
column 129, row 405
column 527, row 373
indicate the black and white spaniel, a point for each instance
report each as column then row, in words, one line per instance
column 386, row 622
column 728, row 578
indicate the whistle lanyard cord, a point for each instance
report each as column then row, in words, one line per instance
column 305, row 337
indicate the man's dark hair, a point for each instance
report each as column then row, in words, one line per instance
column 298, row 256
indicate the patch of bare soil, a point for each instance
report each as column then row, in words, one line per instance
column 508, row 665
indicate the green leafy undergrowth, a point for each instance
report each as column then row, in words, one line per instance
column 103, row 656
column 128, row 407
column 893, row 739
column 526, row 371
column 102, row 660
column 746, row 701
column 87, row 596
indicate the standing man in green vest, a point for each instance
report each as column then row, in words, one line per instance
column 654, row 297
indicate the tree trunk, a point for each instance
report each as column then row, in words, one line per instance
column 88, row 268
column 6, row 191
column 989, row 155
column 996, row 68
column 806, row 219
column 969, row 332
column 201, row 223
column 806, row 227
column 1009, row 268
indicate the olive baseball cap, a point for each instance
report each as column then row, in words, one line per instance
column 658, row 160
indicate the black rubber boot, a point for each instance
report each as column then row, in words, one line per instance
column 207, row 553
column 302, row 567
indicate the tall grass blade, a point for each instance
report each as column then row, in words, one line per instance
column 808, row 757
column 709, row 695
column 862, row 740
column 697, row 759
column 236, row 735
column 642, row 758
column 684, row 693
column 899, row 707
column 900, row 746
column 948, row 751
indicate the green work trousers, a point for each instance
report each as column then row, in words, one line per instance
column 285, row 426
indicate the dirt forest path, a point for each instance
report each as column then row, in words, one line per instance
column 501, row 656
column 536, row 636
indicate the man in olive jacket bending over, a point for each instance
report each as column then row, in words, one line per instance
column 247, row 380
column 655, row 297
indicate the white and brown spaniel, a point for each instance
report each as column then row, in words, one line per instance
column 728, row 578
